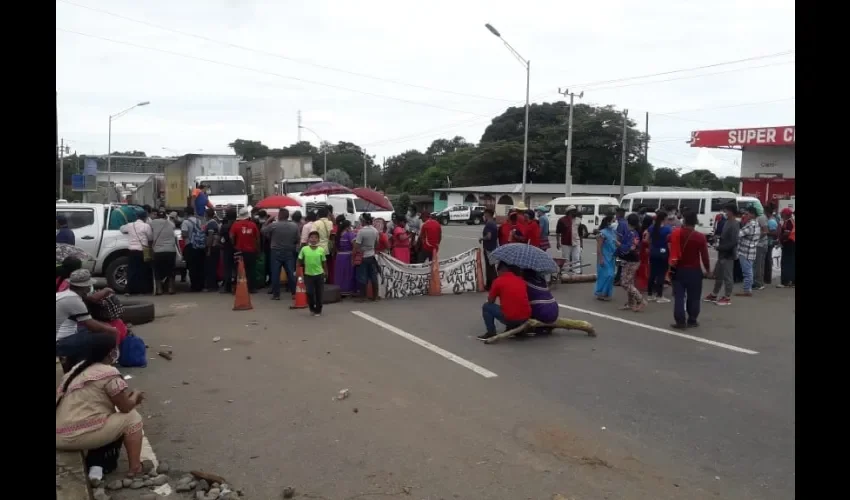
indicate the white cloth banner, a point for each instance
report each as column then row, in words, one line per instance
column 458, row 274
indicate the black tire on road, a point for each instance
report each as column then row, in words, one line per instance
column 582, row 231
column 476, row 220
column 444, row 221
column 116, row 274
column 138, row 312
column 331, row 294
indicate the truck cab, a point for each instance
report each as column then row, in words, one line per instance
column 225, row 190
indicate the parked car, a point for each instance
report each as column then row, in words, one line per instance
column 109, row 247
column 470, row 214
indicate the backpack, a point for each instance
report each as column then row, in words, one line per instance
column 197, row 236
column 133, row 352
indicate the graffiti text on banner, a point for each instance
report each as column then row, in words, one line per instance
column 457, row 275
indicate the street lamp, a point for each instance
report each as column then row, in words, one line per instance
column 325, row 149
column 527, row 65
column 109, row 151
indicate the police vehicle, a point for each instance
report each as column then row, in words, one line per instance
column 470, row 214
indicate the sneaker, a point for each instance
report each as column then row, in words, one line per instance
column 663, row 300
column 744, row 294
column 651, row 298
column 723, row 301
column 275, row 297
column 710, row 298
column 485, row 336
column 760, row 287
column 317, row 315
column 693, row 324
column 679, row 326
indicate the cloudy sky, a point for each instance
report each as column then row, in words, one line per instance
column 394, row 75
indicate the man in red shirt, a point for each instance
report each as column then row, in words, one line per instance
column 691, row 250
column 430, row 235
column 506, row 229
column 245, row 236
column 513, row 309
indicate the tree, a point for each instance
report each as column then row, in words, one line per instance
column 340, row 177
column 249, row 150
column 667, row 177
column 403, row 204
column 702, row 179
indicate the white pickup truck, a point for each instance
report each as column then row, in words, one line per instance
column 109, row 247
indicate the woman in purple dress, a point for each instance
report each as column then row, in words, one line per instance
column 544, row 307
column 343, row 269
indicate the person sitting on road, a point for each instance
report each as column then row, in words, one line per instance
column 86, row 402
column 544, row 307
column 513, row 309
column 74, row 323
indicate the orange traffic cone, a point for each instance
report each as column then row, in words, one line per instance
column 242, row 300
column 299, row 300
column 435, row 288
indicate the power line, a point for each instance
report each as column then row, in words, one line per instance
column 246, row 68
column 700, row 75
column 683, row 70
column 281, row 56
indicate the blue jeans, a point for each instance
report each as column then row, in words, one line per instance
column 282, row 259
column 492, row 312
column 687, row 296
column 747, row 271
column 367, row 272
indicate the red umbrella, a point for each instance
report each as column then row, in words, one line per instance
column 326, row 188
column 277, row 201
column 373, row 197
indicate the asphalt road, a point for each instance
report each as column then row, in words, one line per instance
column 639, row 412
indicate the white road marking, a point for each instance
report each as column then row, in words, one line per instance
column 662, row 330
column 427, row 345
column 147, row 452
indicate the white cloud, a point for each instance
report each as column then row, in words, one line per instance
column 197, row 104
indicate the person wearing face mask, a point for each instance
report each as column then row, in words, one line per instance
column 606, row 263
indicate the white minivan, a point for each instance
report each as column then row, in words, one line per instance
column 591, row 210
column 707, row 204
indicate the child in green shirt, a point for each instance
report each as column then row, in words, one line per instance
column 315, row 267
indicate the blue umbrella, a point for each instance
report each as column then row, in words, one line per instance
column 525, row 256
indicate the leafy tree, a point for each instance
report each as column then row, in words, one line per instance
column 340, row 177
column 667, row 177
column 249, row 150
column 731, row 183
column 702, row 179
column 403, row 204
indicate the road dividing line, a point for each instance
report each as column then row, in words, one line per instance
column 427, row 345
column 662, row 330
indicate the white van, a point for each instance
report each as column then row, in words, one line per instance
column 591, row 210
column 348, row 205
column 707, row 204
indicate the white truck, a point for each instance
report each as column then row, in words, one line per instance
column 289, row 175
column 219, row 172
column 108, row 246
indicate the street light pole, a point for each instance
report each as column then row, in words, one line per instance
column 623, row 159
column 568, row 182
column 527, row 64
column 325, row 149
column 109, row 142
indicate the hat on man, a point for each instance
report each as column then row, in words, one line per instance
column 542, row 209
column 244, row 213
column 521, row 207
column 81, row 278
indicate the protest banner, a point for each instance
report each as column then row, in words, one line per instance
column 458, row 274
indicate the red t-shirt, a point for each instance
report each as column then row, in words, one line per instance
column 505, row 233
column 692, row 247
column 430, row 234
column 532, row 233
column 512, row 293
column 245, row 236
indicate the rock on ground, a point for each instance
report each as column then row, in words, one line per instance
column 163, row 468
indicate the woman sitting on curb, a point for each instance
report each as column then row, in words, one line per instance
column 86, row 402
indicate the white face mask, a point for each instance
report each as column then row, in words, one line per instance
column 613, row 225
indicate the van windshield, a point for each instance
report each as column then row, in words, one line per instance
column 364, row 206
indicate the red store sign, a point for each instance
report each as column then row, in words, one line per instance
column 765, row 136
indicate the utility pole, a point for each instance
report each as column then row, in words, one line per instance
column 365, row 159
column 646, row 141
column 623, row 159
column 62, row 151
column 299, row 125
column 568, row 182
